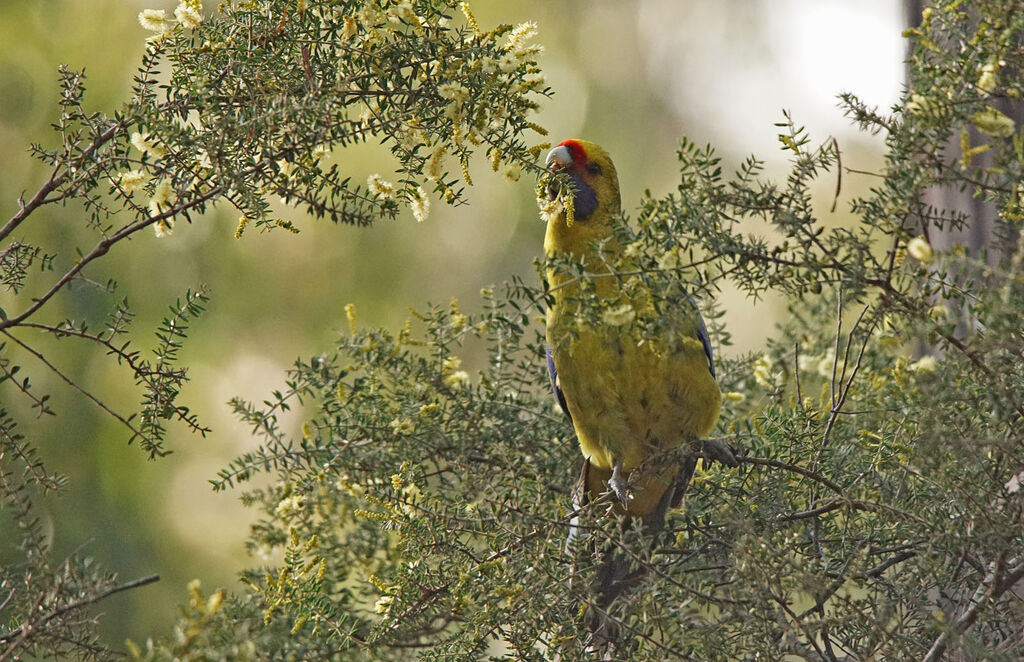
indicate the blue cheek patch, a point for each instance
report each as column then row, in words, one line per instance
column 585, row 202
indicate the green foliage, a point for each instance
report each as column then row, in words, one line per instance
column 255, row 100
column 877, row 511
column 422, row 508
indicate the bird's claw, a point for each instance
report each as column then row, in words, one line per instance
column 618, row 485
column 716, row 451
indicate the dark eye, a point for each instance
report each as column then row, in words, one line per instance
column 593, row 168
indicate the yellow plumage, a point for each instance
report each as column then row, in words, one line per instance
column 630, row 396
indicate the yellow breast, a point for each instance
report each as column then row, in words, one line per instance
column 628, row 400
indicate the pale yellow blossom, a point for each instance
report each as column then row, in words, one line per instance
column 938, row 312
column 670, row 259
column 435, row 164
column 924, row 364
column 987, row 81
column 918, row 104
column 457, row 378
column 188, row 16
column 401, row 426
column 994, row 123
column 420, row 205
column 508, row 63
column 516, row 42
column 320, row 151
column 763, row 371
column 619, row 316
column 132, row 180
column 512, row 172
column 160, row 203
column 403, row 12
column 286, row 168
column 143, row 143
column 290, row 506
column 154, row 20
column 919, row 249
column 163, row 228
column 453, row 91
column 383, row 605
column 533, row 82
column 379, row 186
column 371, row 17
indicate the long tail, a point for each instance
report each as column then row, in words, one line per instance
column 618, row 572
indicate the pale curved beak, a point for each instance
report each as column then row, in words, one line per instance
column 559, row 157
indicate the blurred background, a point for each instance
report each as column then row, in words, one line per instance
column 634, row 76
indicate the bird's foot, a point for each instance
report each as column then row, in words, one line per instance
column 618, row 485
column 713, row 450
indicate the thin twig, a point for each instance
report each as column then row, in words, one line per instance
column 839, row 175
column 779, row 464
column 28, row 626
column 101, row 249
column 136, row 433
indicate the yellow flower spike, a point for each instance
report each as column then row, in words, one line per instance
column 287, row 225
column 242, row 222
column 569, row 202
column 383, row 605
column 924, row 364
column 435, row 164
column 993, row 123
column 299, row 622
column 468, row 13
column 380, row 187
column 350, row 313
column 367, row 514
column 540, row 147
column 542, row 131
column 464, row 165
column 734, row 396
column 378, row 582
column 495, row 159
column 215, row 602
column 195, row 597
column 420, row 205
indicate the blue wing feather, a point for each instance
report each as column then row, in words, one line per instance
column 553, row 375
column 702, row 335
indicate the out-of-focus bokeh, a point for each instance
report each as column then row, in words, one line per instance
column 635, row 77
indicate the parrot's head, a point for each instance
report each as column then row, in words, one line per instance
column 595, row 196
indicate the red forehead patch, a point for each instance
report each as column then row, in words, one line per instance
column 576, row 151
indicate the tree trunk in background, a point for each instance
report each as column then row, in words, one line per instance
column 976, row 236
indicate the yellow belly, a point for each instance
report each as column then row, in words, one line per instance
column 629, row 400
